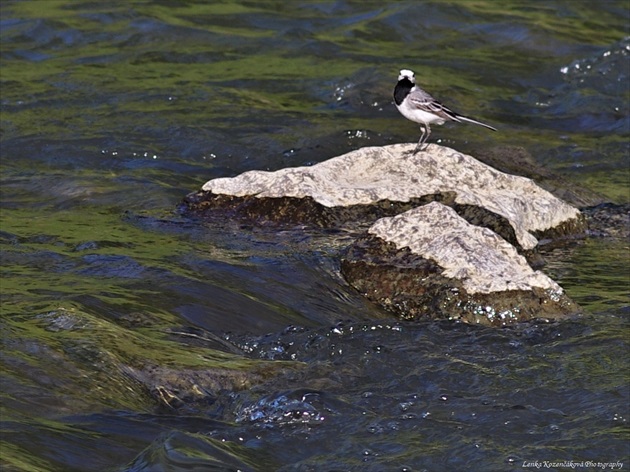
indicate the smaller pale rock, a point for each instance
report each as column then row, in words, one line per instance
column 482, row 260
column 430, row 263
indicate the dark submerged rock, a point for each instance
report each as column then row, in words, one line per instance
column 297, row 211
column 516, row 160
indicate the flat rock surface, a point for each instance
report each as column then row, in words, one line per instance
column 392, row 173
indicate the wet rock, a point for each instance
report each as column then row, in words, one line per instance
column 373, row 182
column 186, row 389
column 431, row 263
column 609, row 220
column 296, row 211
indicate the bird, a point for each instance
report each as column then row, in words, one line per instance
column 420, row 107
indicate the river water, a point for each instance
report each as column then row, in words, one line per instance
column 136, row 339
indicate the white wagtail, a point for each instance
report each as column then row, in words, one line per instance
column 417, row 105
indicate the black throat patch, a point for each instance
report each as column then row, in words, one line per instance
column 403, row 87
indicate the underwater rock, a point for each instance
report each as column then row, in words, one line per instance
column 374, row 182
column 516, row 160
column 609, row 220
column 195, row 390
column 178, row 450
column 431, row 263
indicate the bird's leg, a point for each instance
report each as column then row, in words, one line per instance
column 420, row 142
column 426, row 135
column 426, row 132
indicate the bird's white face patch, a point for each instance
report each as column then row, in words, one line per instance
column 406, row 73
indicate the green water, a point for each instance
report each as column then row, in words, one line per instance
column 111, row 112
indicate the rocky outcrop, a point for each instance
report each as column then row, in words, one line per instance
column 446, row 229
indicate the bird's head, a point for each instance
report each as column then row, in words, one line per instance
column 407, row 74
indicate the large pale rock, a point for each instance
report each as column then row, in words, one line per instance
column 391, row 173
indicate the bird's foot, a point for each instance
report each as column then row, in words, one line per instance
column 419, row 148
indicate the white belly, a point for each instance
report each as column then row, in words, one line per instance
column 419, row 116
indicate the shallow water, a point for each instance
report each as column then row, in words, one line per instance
column 111, row 114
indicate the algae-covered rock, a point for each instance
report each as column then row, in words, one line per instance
column 106, row 366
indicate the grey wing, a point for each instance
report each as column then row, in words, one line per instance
column 423, row 101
